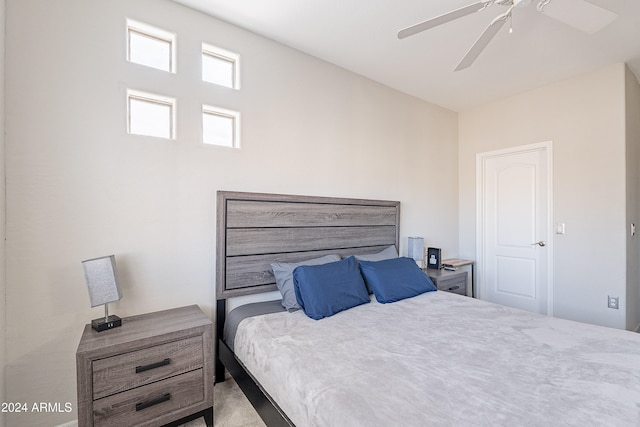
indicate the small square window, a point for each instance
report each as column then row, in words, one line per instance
column 150, row 46
column 151, row 115
column 220, row 127
column 220, row 67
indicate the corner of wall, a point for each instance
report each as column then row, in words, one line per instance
column 2, row 214
column 632, row 148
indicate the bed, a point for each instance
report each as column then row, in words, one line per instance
column 432, row 359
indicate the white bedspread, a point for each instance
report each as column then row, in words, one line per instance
column 443, row 360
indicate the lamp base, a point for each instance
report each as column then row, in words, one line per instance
column 103, row 324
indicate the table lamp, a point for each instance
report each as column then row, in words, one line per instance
column 416, row 249
column 102, row 282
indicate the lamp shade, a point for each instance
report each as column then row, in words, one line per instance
column 102, row 280
column 416, row 248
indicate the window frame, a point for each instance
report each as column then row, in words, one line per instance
column 224, row 55
column 155, row 33
column 153, row 99
column 225, row 113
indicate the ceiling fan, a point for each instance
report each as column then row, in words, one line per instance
column 576, row 13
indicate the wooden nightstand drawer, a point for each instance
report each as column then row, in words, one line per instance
column 450, row 281
column 144, row 404
column 455, row 286
column 128, row 370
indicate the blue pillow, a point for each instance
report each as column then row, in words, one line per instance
column 283, row 272
column 324, row 290
column 387, row 253
column 395, row 279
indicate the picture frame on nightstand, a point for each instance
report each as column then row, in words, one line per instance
column 434, row 258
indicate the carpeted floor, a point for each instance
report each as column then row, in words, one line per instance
column 230, row 408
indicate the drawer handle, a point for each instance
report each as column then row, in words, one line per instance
column 144, row 405
column 453, row 288
column 164, row 362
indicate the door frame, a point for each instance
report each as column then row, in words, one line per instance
column 481, row 159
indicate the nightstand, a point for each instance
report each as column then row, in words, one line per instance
column 448, row 280
column 155, row 369
column 463, row 263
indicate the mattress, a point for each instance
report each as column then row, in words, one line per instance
column 446, row 360
column 238, row 314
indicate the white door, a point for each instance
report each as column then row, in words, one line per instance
column 514, row 250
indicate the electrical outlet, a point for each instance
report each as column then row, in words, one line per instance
column 612, row 302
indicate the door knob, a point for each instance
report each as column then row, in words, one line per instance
column 540, row 243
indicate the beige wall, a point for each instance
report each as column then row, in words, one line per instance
column 2, row 217
column 78, row 186
column 584, row 119
column 633, row 197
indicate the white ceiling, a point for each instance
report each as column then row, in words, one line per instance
column 360, row 35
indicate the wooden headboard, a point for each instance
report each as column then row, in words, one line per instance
column 254, row 230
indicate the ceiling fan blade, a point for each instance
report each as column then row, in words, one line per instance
column 482, row 42
column 579, row 14
column 442, row 19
